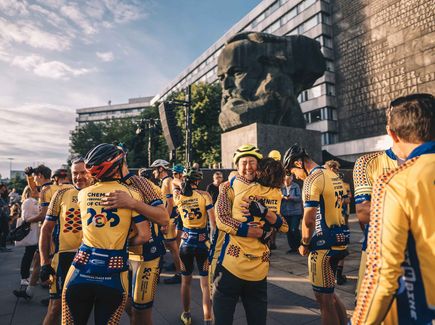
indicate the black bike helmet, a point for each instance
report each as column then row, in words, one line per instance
column 294, row 153
column 101, row 161
column 193, row 174
column 61, row 173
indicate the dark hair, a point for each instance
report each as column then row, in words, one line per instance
column 271, row 173
column 43, row 170
column 412, row 117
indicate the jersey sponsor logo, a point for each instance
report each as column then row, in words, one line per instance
column 195, row 213
column 408, row 280
column 97, row 262
column 318, row 229
column 103, row 218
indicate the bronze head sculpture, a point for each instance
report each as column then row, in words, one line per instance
column 262, row 75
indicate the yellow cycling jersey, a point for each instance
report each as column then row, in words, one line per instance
column 324, row 190
column 64, row 210
column 48, row 191
column 399, row 286
column 246, row 257
column 167, row 193
column 106, row 228
column 367, row 169
column 193, row 209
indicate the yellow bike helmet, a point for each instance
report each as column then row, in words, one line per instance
column 247, row 150
column 275, row 154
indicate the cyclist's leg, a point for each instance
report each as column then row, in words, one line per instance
column 201, row 256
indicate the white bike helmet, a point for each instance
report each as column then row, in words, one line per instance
column 160, row 163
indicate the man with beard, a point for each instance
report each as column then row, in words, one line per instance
column 262, row 75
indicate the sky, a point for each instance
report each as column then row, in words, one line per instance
column 60, row 55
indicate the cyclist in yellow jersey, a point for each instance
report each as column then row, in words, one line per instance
column 398, row 285
column 144, row 259
column 195, row 208
column 63, row 221
column 98, row 277
column 160, row 171
column 324, row 233
column 228, row 287
column 177, row 174
column 217, row 238
column 367, row 169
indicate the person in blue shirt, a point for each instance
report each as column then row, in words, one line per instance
column 291, row 210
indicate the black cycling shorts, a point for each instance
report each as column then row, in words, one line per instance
column 187, row 256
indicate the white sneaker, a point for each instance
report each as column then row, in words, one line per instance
column 24, row 282
column 29, row 291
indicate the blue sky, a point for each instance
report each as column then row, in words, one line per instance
column 59, row 55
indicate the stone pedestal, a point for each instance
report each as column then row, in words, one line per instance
column 270, row 137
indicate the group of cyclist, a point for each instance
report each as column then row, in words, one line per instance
column 103, row 236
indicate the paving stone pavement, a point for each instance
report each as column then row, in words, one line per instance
column 290, row 297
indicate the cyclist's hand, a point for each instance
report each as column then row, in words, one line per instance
column 46, row 271
column 118, row 200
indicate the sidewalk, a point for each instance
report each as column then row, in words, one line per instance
column 290, row 297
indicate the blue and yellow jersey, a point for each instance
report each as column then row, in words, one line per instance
column 47, row 192
column 246, row 257
column 193, row 209
column 324, row 190
column 366, row 171
column 399, row 286
column 106, row 228
column 151, row 194
column 64, row 210
column 167, row 193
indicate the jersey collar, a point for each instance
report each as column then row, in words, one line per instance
column 391, row 154
column 423, row 149
column 317, row 167
column 126, row 177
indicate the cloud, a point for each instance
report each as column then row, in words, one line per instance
column 13, row 8
column 123, row 11
column 26, row 32
column 47, row 69
column 73, row 13
column 105, row 56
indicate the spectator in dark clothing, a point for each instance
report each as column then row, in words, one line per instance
column 291, row 210
column 4, row 217
column 213, row 188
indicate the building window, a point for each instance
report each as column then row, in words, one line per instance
column 326, row 19
column 329, row 66
column 289, row 15
column 321, row 114
column 329, row 138
column 305, row 4
column 330, row 89
column 310, row 23
column 273, row 27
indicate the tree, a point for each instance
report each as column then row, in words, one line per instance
column 206, row 142
column 18, row 183
column 123, row 131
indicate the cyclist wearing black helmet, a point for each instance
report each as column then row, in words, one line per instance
column 60, row 176
column 324, row 234
column 196, row 210
column 98, row 276
column 160, row 171
column 144, row 259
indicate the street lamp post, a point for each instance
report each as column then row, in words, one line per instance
column 10, row 167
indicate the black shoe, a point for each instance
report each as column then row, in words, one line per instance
column 22, row 294
column 174, row 280
column 45, row 301
column 341, row 279
column 272, row 246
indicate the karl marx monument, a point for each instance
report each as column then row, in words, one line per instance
column 262, row 76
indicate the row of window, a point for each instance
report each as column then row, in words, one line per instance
column 317, row 91
column 108, row 114
column 329, row 138
column 321, row 114
column 320, row 18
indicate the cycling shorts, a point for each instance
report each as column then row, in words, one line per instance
column 144, row 276
column 190, row 253
column 322, row 265
column 106, row 294
column 171, row 233
column 61, row 263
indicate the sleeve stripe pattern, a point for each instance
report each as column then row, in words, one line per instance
column 54, row 207
column 362, row 182
column 371, row 280
column 224, row 209
column 142, row 186
column 309, row 182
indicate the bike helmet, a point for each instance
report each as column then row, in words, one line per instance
column 275, row 154
column 178, row 168
column 101, row 161
column 61, row 173
column 246, row 150
column 160, row 163
column 294, row 153
column 193, row 174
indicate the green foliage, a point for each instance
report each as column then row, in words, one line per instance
column 18, row 183
column 206, row 143
column 123, row 131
